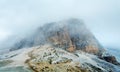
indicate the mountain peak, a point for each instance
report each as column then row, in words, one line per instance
column 70, row 34
column 66, row 45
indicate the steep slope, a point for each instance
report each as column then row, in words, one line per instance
column 65, row 45
column 48, row 58
column 70, row 35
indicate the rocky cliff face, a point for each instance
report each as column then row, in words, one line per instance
column 71, row 48
column 48, row 58
column 70, row 35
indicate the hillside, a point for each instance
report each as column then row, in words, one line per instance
column 64, row 46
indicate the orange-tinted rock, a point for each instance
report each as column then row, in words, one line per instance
column 70, row 35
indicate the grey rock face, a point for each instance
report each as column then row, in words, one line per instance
column 70, row 35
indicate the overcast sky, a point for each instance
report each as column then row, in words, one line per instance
column 101, row 16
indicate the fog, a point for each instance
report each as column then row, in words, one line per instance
column 21, row 17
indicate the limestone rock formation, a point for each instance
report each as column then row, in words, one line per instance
column 69, row 35
column 65, row 45
column 48, row 58
column 110, row 59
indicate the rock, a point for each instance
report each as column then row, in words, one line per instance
column 52, row 60
column 111, row 59
column 48, row 58
column 70, row 35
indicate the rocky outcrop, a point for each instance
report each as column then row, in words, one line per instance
column 48, row 58
column 70, row 35
column 111, row 59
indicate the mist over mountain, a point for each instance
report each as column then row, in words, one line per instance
column 59, row 35
column 66, row 45
column 70, row 33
